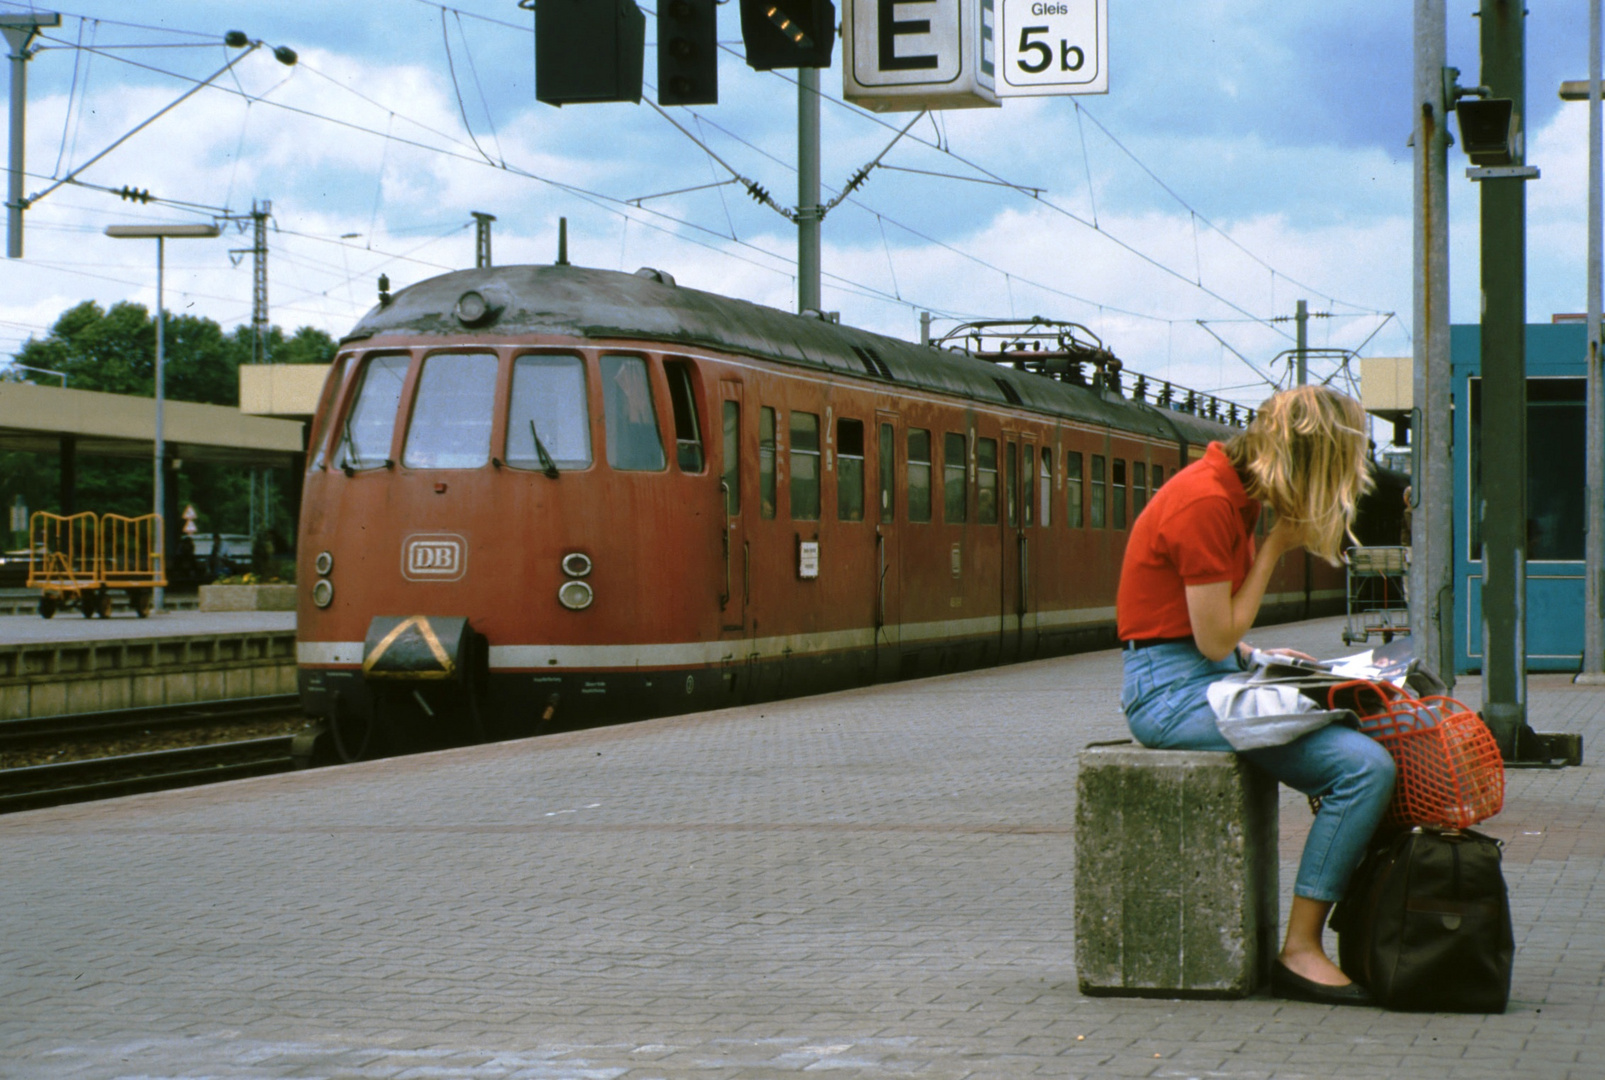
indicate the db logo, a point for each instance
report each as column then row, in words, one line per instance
column 434, row 557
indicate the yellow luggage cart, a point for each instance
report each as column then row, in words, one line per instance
column 131, row 558
column 76, row 560
column 64, row 562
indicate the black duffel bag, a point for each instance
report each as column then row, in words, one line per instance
column 1425, row 924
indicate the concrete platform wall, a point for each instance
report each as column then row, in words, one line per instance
column 55, row 678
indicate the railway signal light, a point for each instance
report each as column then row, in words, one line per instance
column 588, row 50
column 688, row 53
column 788, row 33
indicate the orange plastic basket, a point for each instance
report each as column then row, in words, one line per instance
column 1450, row 772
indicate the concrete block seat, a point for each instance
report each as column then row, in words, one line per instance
column 1176, row 873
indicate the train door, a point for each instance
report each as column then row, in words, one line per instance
column 1026, row 545
column 888, row 609
column 735, row 489
column 1012, row 553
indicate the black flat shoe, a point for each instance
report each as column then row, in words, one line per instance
column 1290, row 985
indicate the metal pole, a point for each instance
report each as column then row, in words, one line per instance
column 1594, row 554
column 1431, row 569
column 160, row 545
column 19, row 31
column 808, row 190
column 482, row 239
column 1303, row 318
column 1504, row 397
column 259, row 283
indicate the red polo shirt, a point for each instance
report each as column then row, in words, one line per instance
column 1198, row 529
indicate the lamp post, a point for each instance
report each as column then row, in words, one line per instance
column 161, row 234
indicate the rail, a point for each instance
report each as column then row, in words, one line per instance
column 52, row 783
column 34, row 786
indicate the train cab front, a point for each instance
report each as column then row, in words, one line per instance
column 421, row 685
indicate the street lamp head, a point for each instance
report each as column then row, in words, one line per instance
column 285, row 55
column 161, row 232
column 236, row 39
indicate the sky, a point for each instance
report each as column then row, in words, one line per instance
column 1247, row 155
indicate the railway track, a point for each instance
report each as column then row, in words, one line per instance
column 175, row 746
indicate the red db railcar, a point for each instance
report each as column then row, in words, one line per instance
column 547, row 496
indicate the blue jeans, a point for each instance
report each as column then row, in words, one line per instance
column 1163, row 695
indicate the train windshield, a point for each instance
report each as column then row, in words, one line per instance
column 633, row 441
column 452, row 417
column 364, row 442
column 548, row 403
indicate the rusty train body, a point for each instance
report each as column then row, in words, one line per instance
column 542, row 497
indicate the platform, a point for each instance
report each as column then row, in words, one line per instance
column 877, row 883
column 72, row 664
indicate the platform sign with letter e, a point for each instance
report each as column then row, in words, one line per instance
column 1050, row 47
column 908, row 55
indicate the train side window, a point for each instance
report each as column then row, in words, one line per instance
column 732, row 458
column 986, row 481
column 1098, row 504
column 364, row 441
column 766, row 462
column 850, row 470
column 1072, row 489
column 1156, row 478
column 548, row 402
column 1139, row 488
column 954, row 462
column 1045, row 491
column 326, row 407
column 452, row 412
column 888, row 464
column 1118, row 493
column 633, row 440
column 804, row 466
column 919, row 474
column 1011, row 483
column 1028, row 481
column 687, row 430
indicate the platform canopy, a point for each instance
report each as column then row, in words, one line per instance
column 37, row 418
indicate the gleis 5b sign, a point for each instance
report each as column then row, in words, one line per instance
column 1053, row 47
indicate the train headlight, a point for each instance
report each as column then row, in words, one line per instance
column 323, row 563
column 575, row 595
column 576, row 564
column 323, row 593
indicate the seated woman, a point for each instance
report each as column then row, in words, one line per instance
column 1191, row 586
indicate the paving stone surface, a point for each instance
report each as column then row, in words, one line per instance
column 869, row 884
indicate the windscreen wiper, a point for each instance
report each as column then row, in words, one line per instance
column 348, row 466
column 548, row 466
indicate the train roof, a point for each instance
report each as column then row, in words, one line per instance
column 583, row 303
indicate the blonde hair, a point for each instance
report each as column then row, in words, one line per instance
column 1304, row 455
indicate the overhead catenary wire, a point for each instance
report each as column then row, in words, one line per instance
column 608, row 202
column 756, row 190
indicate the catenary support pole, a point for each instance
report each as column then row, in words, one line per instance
column 1504, row 396
column 1594, row 553
column 1431, row 568
column 159, row 545
column 19, row 31
column 1303, row 320
column 808, row 289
